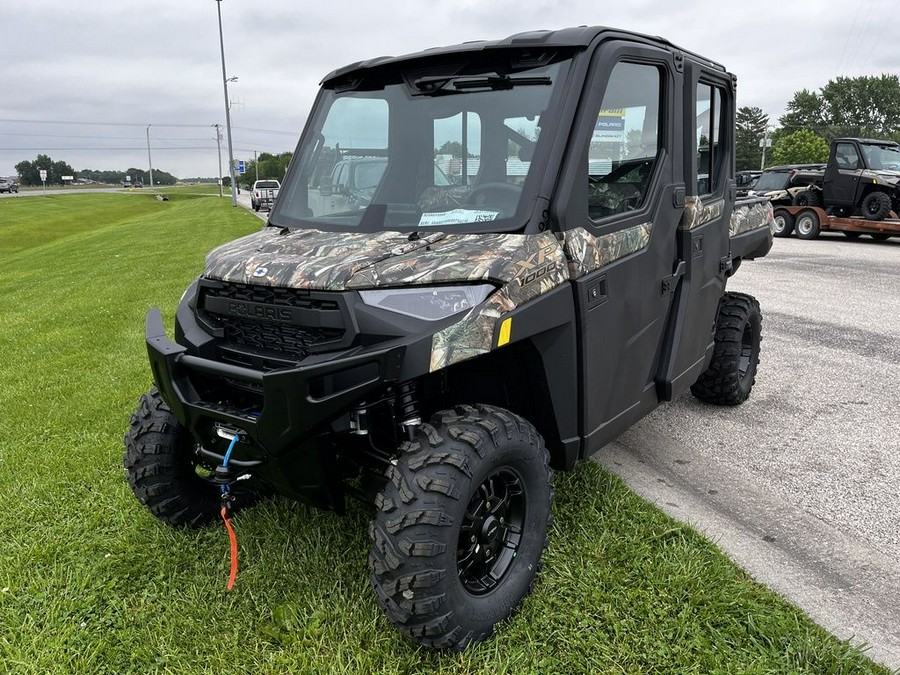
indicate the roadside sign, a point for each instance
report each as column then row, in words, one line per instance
column 241, row 167
column 68, row 177
column 43, row 174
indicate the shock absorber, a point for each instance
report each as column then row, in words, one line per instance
column 408, row 408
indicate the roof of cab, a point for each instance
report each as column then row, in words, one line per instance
column 576, row 37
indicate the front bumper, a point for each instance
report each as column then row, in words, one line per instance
column 282, row 433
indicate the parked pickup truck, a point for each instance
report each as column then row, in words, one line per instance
column 263, row 194
column 438, row 350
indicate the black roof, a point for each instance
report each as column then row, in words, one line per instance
column 795, row 167
column 573, row 38
column 874, row 141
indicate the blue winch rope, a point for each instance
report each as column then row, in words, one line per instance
column 234, row 440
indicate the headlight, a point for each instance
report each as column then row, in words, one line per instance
column 430, row 304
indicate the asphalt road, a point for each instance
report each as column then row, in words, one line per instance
column 800, row 485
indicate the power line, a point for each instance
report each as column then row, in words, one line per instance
column 103, row 124
column 266, row 131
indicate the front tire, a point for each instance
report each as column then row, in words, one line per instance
column 875, row 206
column 731, row 374
column 461, row 525
column 164, row 471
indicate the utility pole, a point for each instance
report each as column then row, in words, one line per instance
column 765, row 143
column 219, row 148
column 149, row 160
column 256, row 164
column 225, row 80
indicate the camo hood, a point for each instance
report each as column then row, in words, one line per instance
column 524, row 266
column 336, row 261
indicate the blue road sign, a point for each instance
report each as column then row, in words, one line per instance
column 242, row 169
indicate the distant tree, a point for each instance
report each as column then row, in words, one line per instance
column 863, row 106
column 750, row 128
column 800, row 147
column 867, row 106
column 805, row 111
column 29, row 172
column 270, row 167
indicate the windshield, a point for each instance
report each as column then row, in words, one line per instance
column 882, row 157
column 267, row 183
column 448, row 147
column 772, row 180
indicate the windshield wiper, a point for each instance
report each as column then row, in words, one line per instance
column 437, row 85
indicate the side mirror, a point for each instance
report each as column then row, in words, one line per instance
column 325, row 188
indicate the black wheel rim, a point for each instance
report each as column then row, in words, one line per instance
column 491, row 532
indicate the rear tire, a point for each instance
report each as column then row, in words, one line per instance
column 461, row 525
column 784, row 223
column 880, row 236
column 162, row 468
column 807, row 198
column 806, row 225
column 852, row 235
column 731, row 374
column 875, row 206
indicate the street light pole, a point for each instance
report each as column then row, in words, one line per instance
column 219, row 149
column 149, row 160
column 225, row 81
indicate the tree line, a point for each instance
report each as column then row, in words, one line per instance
column 862, row 107
column 30, row 173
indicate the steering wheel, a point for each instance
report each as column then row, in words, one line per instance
column 502, row 195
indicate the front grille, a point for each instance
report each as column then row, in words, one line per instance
column 290, row 338
column 276, row 337
column 270, row 295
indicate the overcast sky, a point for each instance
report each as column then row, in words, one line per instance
column 80, row 81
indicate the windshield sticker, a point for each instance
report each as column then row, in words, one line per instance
column 457, row 217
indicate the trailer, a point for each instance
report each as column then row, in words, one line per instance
column 809, row 221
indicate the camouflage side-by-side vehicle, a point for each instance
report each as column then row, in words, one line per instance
column 438, row 346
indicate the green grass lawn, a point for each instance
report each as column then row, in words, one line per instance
column 92, row 583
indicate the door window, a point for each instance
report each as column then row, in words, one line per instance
column 709, row 139
column 625, row 143
column 846, row 156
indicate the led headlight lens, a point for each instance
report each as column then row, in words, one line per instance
column 431, row 303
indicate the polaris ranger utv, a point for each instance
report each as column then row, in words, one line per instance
column 442, row 346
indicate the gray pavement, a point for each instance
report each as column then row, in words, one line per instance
column 801, row 484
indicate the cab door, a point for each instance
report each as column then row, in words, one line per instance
column 618, row 207
column 703, row 235
column 842, row 173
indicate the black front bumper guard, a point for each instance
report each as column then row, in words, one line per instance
column 296, row 401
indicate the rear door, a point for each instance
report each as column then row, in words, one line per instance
column 703, row 233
